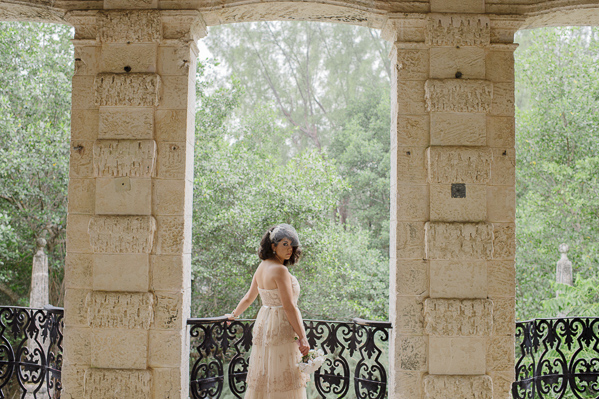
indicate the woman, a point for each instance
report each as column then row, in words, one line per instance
column 279, row 329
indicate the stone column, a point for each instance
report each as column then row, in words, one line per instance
column 127, row 273
column 39, row 295
column 453, row 206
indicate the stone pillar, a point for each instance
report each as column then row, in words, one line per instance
column 39, row 295
column 563, row 269
column 127, row 272
column 453, row 205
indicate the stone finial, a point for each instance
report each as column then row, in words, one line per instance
column 563, row 273
column 39, row 295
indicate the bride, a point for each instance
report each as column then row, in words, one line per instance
column 279, row 338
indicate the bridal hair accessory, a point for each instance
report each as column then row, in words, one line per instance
column 282, row 231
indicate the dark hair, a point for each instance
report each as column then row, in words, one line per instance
column 265, row 251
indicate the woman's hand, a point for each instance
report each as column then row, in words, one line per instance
column 304, row 346
column 230, row 316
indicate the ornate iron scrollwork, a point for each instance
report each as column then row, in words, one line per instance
column 31, row 351
column 557, row 358
column 214, row 337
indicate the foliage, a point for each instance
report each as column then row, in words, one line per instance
column 557, row 145
column 581, row 299
column 35, row 86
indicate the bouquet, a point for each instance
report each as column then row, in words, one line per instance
column 312, row 361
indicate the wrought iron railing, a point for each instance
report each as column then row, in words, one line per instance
column 30, row 352
column 557, row 358
column 353, row 351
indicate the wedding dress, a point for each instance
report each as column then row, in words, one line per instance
column 273, row 372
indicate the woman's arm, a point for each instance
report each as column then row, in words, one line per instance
column 247, row 299
column 283, row 280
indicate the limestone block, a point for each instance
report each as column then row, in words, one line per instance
column 85, row 26
column 410, row 240
column 504, row 241
column 87, row 60
column 458, row 317
column 411, row 278
column 128, row 349
column 501, row 131
column 503, row 99
column 170, row 272
column 77, row 346
column 411, row 165
column 72, row 378
column 409, row 318
column 76, row 308
column 172, row 197
column 405, row 384
column 81, row 196
column 123, row 57
column 128, row 4
column 77, row 235
column 175, row 160
column 119, row 309
column 501, row 203
column 109, row 384
column 463, row 387
column 84, row 124
column 457, row 30
column 411, row 130
column 412, row 203
column 410, row 97
column 175, row 60
column 503, row 168
column 447, row 61
column 458, row 279
column 123, row 196
column 458, row 95
column 168, row 310
column 458, row 129
column 166, row 349
column 175, row 92
column 502, row 279
column 183, row 26
column 407, row 33
column 168, row 383
column 124, row 272
column 502, row 384
column 78, row 270
column 467, row 6
column 500, row 66
column 410, row 352
column 504, row 316
column 500, row 354
column 173, row 235
column 81, row 159
column 118, row 158
column 444, row 208
column 83, row 92
column 126, row 123
column 127, row 89
column 130, row 26
column 411, row 64
column 457, row 356
column 122, row 234
column 459, row 240
column 459, row 165
column 173, row 126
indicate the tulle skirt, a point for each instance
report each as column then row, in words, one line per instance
column 273, row 371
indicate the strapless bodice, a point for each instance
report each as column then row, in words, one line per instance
column 272, row 297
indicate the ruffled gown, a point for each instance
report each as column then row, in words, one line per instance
column 273, row 371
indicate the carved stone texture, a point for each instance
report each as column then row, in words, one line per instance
column 130, row 26
column 122, row 234
column 504, row 316
column 127, row 89
column 404, row 384
column 411, row 277
column 119, row 309
column 458, row 95
column 411, row 64
column 501, row 278
column 411, row 352
column 167, row 312
column 410, row 130
column 84, row 124
column 453, row 386
column 74, row 302
column 125, row 4
column 183, row 26
column 459, row 240
column 77, row 342
column 78, row 270
column 501, row 131
column 409, row 318
column 500, row 354
column 458, row 30
column 504, row 241
column 502, row 383
column 450, row 165
column 81, row 157
column 118, row 158
column 77, row 235
column 166, row 348
column 409, row 238
column 109, row 384
column 126, row 123
column 458, row 317
column 170, row 272
column 72, row 376
column 164, row 386
column 411, row 165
